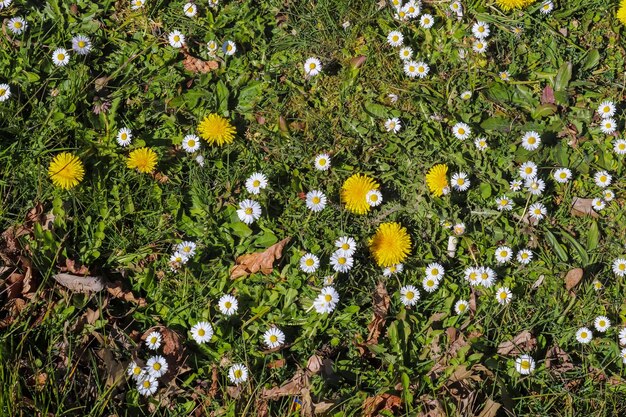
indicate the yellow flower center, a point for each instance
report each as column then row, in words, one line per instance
column 156, row 366
column 322, row 162
column 395, row 38
column 504, row 202
column 563, row 175
column 602, row 323
column 427, row 21
column 607, row 109
column 481, row 29
column 124, row 136
column 273, row 338
column 401, row 14
column 136, row 370
column 525, row 365
column 191, row 143
column 345, row 246
column 621, row 146
column 392, row 269
column 374, row 197
column 146, row 384
column 328, row 298
column 341, row 261
column 622, row 267
column 2, row 91
column 420, row 69
column 411, row 68
column 201, row 332
column 524, row 255
column 238, row 373
column 248, row 211
column 61, row 57
column 461, row 131
column 309, row 262
column 315, row 200
column 176, row 38
column 503, row 253
column 503, row 295
column 81, row 44
column 460, row 181
column 430, row 283
column 583, row 335
column 435, row 271
column 484, row 275
column 153, row 340
column 228, row 304
column 18, row 25
column 256, row 183
column 229, row 47
column 409, row 295
column 532, row 140
column 603, row 178
column 608, row 125
column 473, row 276
column 462, row 307
column 190, row 10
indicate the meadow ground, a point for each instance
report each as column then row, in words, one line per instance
column 459, row 252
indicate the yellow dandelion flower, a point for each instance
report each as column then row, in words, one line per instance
column 354, row 192
column 144, row 159
column 216, row 130
column 390, row 245
column 514, row 4
column 436, row 179
column 621, row 12
column 66, row 170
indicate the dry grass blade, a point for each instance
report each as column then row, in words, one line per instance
column 258, row 262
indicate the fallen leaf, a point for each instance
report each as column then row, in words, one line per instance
column 373, row 406
column 233, row 392
column 115, row 289
column 278, row 363
column 538, row 282
column 523, row 342
column 558, row 361
column 114, row 370
column 259, row 261
column 214, row 382
column 491, row 408
column 381, row 304
column 432, row 407
column 573, row 277
column 197, row 65
column 72, row 268
column 583, row 207
column 172, row 348
column 101, row 83
column 81, row 284
column 358, row 61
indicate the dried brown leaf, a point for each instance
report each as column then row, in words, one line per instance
column 114, row 370
column 490, row 409
column 197, row 65
column 115, row 289
column 558, row 361
column 81, row 284
column 573, row 277
column 523, row 342
column 278, row 363
column 583, row 207
column 258, row 262
column 373, row 406
column 432, row 407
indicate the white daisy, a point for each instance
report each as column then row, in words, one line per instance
column 410, row 69
column 409, row 295
column 395, row 38
column 153, row 341
column 547, row 7
column 393, row 125
column 504, row 76
column 584, row 335
column 598, row 204
column 461, row 307
column 249, row 211
column 562, row 175
column 528, row 170
column 619, row 267
column 406, row 53
column 256, row 182
column 17, row 25
column 5, row 3
column 597, row 285
column 202, row 332
column 134, row 370
column 608, row 125
column 315, row 200
column 346, row 244
column 238, row 373
column 606, row 109
column 623, row 355
column 524, row 256
column 537, row 211
column 515, row 185
column 326, row 301
column 457, row 7
column 191, row 143
column 273, row 338
column 137, row 4
column 124, row 136
column 602, row 323
column 421, row 69
column 480, row 46
column 460, row 182
column 472, row 275
column 435, row 270
column 5, row 92
column 81, row 44
column 396, row 4
column 401, row 14
column 602, row 179
column 214, row 3
column 187, row 248
column 212, row 46
column 504, row 204
column 458, row 229
column 481, row 30
column 430, row 284
column 619, row 146
column 176, row 39
column 147, row 385
column 228, row 305
column 481, row 144
column 60, row 57
column 393, row 269
column 312, row 67
column 461, row 131
column 503, row 295
column 177, row 260
column 156, row 366
column 466, row 95
column 374, row 198
column 190, row 9
column 525, row 364
column 608, row 195
column 309, row 263
column 535, row 186
column 322, row 162
column 412, row 9
column 486, row 276
column 427, row 21
column 229, row 48
column 622, row 336
column 392, row 97
column 341, row 262
column 531, row 141
column 503, row 254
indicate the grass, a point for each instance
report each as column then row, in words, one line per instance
column 64, row 353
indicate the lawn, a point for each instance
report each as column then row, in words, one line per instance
column 312, row 208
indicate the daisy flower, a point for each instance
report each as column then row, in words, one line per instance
column 309, row 263
column 430, row 284
column 503, row 254
column 249, row 211
column 608, row 125
column 142, row 159
column 562, row 175
column 354, row 191
column 537, row 211
column 504, row 76
column 411, row 9
column 124, row 136
column 460, row 182
column 619, row 146
column 602, row 179
column 504, row 204
column 393, row 125
column 5, row 3
column 531, row 141
column 134, row 370
column 515, row 185
column 214, row 3
column 457, row 7
column 546, row 7
column 458, row 229
column 17, row 25
column 346, row 244
column 598, row 204
column 137, row 4
column 191, row 143
column 392, row 97
column 176, row 39
column 406, row 53
column 60, row 57
column 156, row 366
column 187, row 248
column 229, row 48
column 81, row 44
column 608, row 195
column 190, row 9
column 602, row 324
column 503, row 295
column 238, row 373
column 437, row 180
column 535, row 186
column 524, row 256
column 315, row 200
column 212, row 46
column 395, row 38
column 202, row 332
column 487, row 276
column 341, row 262
column 393, row 269
column 481, row 144
column 622, row 336
column 274, row 338
column 466, row 95
column 374, row 198
column 584, row 335
column 606, row 109
column 619, row 267
column 528, row 170
column 419, row 69
column 461, row 307
column 228, row 305
column 322, row 162
column 326, row 301
column 153, row 341
column 472, row 275
column 256, row 182
column 461, row 131
column 390, row 245
column 396, row 4
column 312, row 67
column 147, row 385
column 427, row 21
column 525, row 364
column 435, row 271
column 216, row 130
column 66, row 170
column 480, row 30
column 5, row 92
column 597, row 285
column 177, row 260
column 409, row 295
column 623, row 355
column 410, row 69
column 479, row 46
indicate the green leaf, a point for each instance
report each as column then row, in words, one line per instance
column 544, row 110
column 496, row 123
column 592, row 59
column 593, row 236
column 240, row 229
column 222, row 97
column 556, row 245
column 485, row 190
column 376, row 110
column 563, row 77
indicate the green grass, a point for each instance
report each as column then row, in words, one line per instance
column 122, row 224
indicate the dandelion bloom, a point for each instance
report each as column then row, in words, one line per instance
column 144, row 159
column 354, row 193
column 216, row 130
column 514, row 4
column 390, row 245
column 621, row 13
column 66, row 170
column 436, row 180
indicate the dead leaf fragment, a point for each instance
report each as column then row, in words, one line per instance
column 197, row 65
column 258, row 262
column 115, row 289
column 573, row 277
column 432, row 407
column 81, row 284
column 491, row 408
column 372, row 406
column 523, row 342
column 583, row 207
